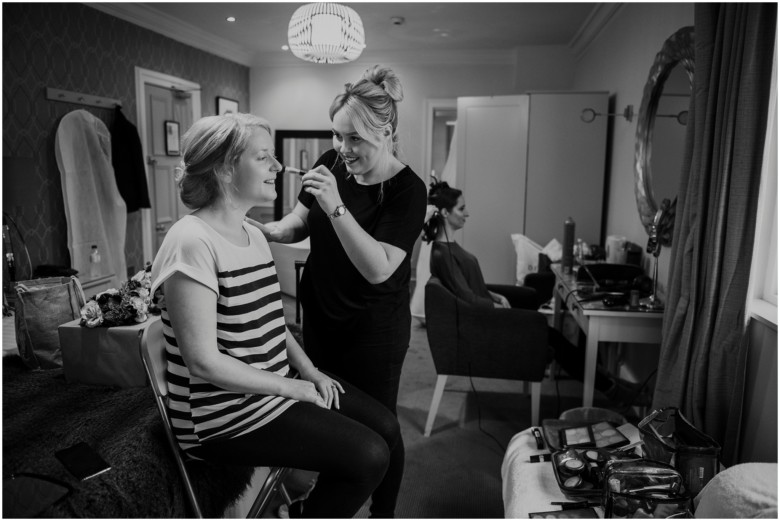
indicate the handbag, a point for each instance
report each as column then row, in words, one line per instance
column 41, row 306
column 670, row 438
column 642, row 488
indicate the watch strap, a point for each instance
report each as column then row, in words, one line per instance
column 338, row 212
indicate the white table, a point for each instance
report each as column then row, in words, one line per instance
column 601, row 324
column 531, row 487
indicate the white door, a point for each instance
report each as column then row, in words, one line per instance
column 492, row 148
column 164, row 105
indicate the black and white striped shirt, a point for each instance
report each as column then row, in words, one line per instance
column 250, row 328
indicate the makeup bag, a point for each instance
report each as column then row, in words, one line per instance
column 670, row 438
column 41, row 306
column 643, row 488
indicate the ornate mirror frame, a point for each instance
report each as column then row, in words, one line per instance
column 677, row 49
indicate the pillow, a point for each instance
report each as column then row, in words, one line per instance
column 747, row 490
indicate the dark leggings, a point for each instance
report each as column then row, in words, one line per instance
column 371, row 359
column 350, row 448
column 570, row 357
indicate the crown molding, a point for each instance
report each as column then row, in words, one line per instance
column 155, row 20
column 597, row 20
column 429, row 57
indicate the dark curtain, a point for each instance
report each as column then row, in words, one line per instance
column 704, row 346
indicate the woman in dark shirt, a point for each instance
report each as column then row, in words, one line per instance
column 363, row 210
column 459, row 271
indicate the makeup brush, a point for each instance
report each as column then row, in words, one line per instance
column 292, row 170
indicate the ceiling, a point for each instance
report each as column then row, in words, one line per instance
column 260, row 29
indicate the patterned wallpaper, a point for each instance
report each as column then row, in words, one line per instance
column 77, row 48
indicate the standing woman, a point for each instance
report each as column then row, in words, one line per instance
column 363, row 210
column 231, row 362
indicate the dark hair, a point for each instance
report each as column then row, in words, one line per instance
column 443, row 197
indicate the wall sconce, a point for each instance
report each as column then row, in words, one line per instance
column 326, row 33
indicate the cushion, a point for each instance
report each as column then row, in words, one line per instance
column 747, row 490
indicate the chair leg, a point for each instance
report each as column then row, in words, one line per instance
column 273, row 483
column 441, row 380
column 536, row 397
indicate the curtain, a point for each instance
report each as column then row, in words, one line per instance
column 704, row 345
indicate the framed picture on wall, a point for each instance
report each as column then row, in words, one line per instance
column 226, row 105
column 172, row 140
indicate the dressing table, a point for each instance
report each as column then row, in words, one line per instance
column 601, row 323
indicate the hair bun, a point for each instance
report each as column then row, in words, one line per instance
column 385, row 78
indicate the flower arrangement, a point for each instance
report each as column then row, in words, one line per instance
column 130, row 304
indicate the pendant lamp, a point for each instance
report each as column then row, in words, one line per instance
column 326, row 33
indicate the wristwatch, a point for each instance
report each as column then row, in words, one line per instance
column 338, row 212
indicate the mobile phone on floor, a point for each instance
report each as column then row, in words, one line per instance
column 82, row 461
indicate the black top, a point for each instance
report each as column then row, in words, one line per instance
column 127, row 159
column 330, row 283
column 459, row 271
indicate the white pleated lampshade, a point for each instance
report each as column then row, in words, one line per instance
column 326, row 33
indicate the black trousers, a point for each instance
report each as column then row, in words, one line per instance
column 369, row 353
column 350, row 447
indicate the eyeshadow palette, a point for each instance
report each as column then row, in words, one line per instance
column 600, row 435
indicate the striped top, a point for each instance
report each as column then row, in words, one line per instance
column 250, row 328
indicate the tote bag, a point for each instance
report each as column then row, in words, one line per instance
column 41, row 306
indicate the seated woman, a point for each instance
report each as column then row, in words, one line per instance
column 242, row 391
column 459, row 271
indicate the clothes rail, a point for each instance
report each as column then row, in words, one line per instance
column 82, row 99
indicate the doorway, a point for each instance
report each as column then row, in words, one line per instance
column 162, row 99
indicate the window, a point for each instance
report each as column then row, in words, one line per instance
column 762, row 292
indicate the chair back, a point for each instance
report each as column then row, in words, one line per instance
column 468, row 340
column 155, row 361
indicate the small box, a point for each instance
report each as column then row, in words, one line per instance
column 106, row 355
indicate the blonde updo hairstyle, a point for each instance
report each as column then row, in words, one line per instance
column 371, row 104
column 213, row 145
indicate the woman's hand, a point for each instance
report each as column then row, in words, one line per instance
column 321, row 183
column 430, row 212
column 273, row 231
column 328, row 388
column 500, row 300
column 304, row 391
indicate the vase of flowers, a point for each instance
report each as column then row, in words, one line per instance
column 132, row 303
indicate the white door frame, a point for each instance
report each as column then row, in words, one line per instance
column 431, row 105
column 142, row 77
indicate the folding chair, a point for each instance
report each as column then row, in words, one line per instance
column 153, row 354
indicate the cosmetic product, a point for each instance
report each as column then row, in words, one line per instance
column 292, row 170
column 567, row 260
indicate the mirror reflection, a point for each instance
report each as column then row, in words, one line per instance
column 669, row 135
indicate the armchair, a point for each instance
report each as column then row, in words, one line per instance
column 467, row 340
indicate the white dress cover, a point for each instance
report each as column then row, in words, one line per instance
column 94, row 210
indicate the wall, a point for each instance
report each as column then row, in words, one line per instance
column 619, row 61
column 77, row 48
column 298, row 97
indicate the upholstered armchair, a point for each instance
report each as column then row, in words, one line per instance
column 467, row 340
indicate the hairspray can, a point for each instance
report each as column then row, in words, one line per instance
column 567, row 257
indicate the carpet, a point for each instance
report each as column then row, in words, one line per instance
column 456, row 472
column 42, row 413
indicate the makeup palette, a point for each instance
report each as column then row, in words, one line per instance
column 600, row 435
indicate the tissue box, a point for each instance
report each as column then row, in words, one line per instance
column 106, row 355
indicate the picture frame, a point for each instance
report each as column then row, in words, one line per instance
column 226, row 106
column 172, row 138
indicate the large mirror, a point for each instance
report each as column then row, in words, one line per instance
column 299, row 149
column 660, row 134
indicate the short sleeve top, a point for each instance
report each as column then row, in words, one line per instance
column 391, row 212
column 250, row 328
